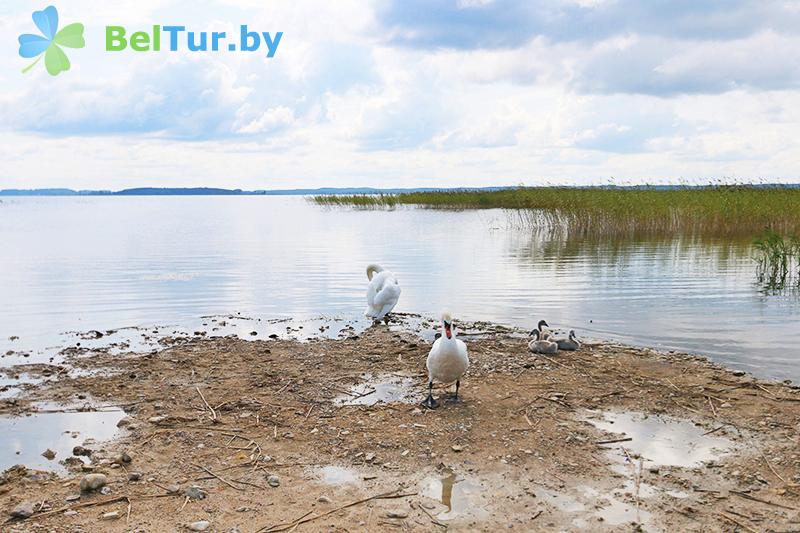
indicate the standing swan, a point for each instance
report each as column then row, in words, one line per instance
column 543, row 346
column 447, row 360
column 383, row 292
column 570, row 344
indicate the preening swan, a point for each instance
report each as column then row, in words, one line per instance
column 447, row 360
column 383, row 292
column 570, row 344
column 543, row 346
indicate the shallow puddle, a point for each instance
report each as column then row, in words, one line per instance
column 337, row 475
column 385, row 388
column 661, row 440
column 23, row 439
column 461, row 497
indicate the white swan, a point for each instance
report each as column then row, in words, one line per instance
column 569, row 344
column 447, row 360
column 383, row 292
column 543, row 346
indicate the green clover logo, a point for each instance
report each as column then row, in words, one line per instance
column 50, row 42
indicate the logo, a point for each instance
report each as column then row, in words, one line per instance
column 50, row 42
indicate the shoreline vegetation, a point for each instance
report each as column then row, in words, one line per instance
column 714, row 210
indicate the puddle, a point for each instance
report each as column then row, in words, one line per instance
column 11, row 386
column 661, row 440
column 23, row 439
column 460, row 496
column 337, row 475
column 385, row 388
column 614, row 511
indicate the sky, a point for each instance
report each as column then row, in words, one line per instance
column 407, row 93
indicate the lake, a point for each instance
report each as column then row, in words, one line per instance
column 85, row 263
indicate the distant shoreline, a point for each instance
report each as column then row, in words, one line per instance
column 210, row 191
column 333, row 191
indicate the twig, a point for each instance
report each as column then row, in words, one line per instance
column 731, row 519
column 614, row 441
column 209, row 472
column 433, row 520
column 771, row 467
column 753, row 498
column 383, row 496
column 213, row 413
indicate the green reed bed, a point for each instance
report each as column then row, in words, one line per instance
column 778, row 260
column 718, row 210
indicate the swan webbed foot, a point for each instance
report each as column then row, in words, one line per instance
column 454, row 397
column 386, row 320
column 430, row 402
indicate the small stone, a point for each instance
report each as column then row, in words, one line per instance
column 725, row 405
column 122, row 458
column 73, row 498
column 23, row 510
column 80, row 450
column 70, row 513
column 127, row 421
column 134, row 476
column 49, row 454
column 105, row 491
column 397, row 513
column 273, row 481
column 173, row 489
column 253, row 333
column 113, row 515
column 200, row 525
column 194, row 493
column 369, row 457
column 456, row 447
column 157, row 419
column 324, row 499
column 242, row 509
column 93, row 482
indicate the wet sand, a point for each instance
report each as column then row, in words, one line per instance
column 328, row 435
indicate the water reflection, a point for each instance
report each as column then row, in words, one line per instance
column 23, row 439
column 172, row 260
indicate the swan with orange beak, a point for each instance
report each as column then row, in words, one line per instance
column 447, row 360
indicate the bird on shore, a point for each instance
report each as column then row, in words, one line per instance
column 540, row 345
column 540, row 327
column 447, row 360
column 383, row 292
column 570, row 344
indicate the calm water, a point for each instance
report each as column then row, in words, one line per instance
column 71, row 264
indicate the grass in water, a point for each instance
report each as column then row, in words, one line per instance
column 778, row 260
column 713, row 210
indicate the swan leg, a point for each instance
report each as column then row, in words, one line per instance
column 454, row 397
column 429, row 402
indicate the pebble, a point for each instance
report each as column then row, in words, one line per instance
column 49, row 454
column 134, row 476
column 113, row 515
column 157, row 419
column 23, row 510
column 70, row 512
column 273, row 481
column 80, row 450
column 173, row 489
column 324, row 499
column 124, row 422
column 194, row 493
column 73, row 498
column 397, row 513
column 105, row 491
column 200, row 525
column 122, row 458
column 92, row 482
column 456, row 447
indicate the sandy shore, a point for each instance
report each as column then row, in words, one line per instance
column 281, row 435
